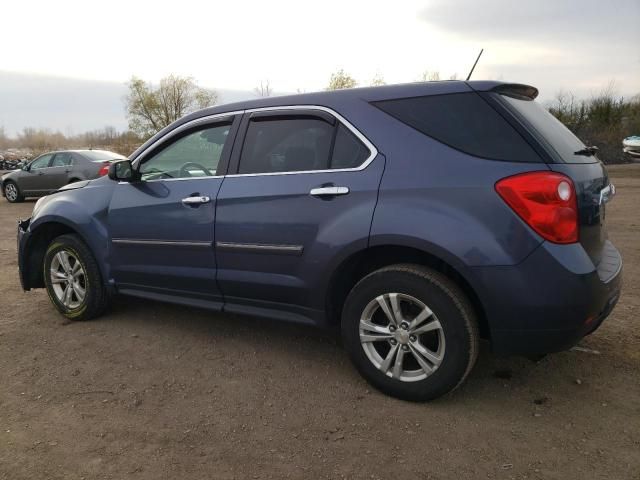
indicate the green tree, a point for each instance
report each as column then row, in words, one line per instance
column 150, row 109
column 340, row 80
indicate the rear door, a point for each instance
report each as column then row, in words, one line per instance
column 571, row 157
column 58, row 172
column 161, row 226
column 300, row 194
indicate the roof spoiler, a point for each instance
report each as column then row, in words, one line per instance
column 516, row 90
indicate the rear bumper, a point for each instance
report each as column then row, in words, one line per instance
column 549, row 302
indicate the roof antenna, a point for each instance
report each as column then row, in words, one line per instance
column 475, row 63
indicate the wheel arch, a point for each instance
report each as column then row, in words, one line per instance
column 41, row 235
column 365, row 261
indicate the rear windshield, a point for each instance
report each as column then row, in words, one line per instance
column 464, row 121
column 100, row 155
column 549, row 130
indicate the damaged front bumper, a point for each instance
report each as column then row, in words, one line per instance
column 22, row 238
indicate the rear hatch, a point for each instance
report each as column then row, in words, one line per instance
column 570, row 156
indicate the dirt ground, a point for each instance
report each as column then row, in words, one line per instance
column 154, row 391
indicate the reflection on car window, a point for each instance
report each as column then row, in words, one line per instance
column 194, row 155
column 41, row 162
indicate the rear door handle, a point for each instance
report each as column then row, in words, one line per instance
column 328, row 191
column 196, row 200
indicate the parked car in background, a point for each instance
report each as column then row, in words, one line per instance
column 50, row 171
column 418, row 218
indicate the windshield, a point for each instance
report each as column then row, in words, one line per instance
column 99, row 155
column 550, row 129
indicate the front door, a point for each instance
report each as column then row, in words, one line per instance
column 34, row 180
column 302, row 196
column 162, row 225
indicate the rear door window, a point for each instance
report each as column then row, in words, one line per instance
column 286, row 145
column 549, row 129
column 348, row 150
column 301, row 143
column 465, row 122
column 61, row 160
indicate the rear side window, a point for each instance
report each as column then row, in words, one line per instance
column 552, row 130
column 465, row 122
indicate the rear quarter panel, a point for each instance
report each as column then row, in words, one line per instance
column 443, row 201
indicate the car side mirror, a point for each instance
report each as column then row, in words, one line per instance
column 121, row 171
column 25, row 167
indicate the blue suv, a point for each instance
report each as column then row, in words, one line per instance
column 417, row 218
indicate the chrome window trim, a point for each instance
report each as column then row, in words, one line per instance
column 373, row 151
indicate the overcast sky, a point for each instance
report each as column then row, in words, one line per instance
column 578, row 45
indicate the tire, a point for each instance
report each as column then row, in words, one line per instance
column 86, row 277
column 12, row 192
column 433, row 361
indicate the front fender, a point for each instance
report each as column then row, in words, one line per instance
column 83, row 210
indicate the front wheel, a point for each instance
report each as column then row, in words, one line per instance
column 12, row 193
column 73, row 279
column 410, row 332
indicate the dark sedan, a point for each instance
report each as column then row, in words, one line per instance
column 50, row 171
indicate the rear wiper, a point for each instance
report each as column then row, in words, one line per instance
column 587, row 151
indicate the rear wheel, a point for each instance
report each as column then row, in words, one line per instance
column 12, row 193
column 410, row 331
column 73, row 280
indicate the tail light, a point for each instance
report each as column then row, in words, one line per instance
column 104, row 169
column 546, row 201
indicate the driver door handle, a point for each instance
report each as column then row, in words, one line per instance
column 196, row 200
column 328, row 191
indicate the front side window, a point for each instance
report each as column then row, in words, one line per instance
column 195, row 154
column 299, row 144
column 41, row 162
column 61, row 160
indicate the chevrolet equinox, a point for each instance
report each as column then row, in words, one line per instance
column 417, row 218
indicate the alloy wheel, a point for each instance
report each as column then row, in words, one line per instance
column 68, row 279
column 402, row 337
column 11, row 192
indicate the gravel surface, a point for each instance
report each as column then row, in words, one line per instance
column 153, row 391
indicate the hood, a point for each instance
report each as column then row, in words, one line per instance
column 74, row 185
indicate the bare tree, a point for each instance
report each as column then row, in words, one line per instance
column 150, row 109
column 340, row 80
column 4, row 141
column 428, row 76
column 264, row 89
column 378, row 80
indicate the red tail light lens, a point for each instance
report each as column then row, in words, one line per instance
column 546, row 201
column 104, row 169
